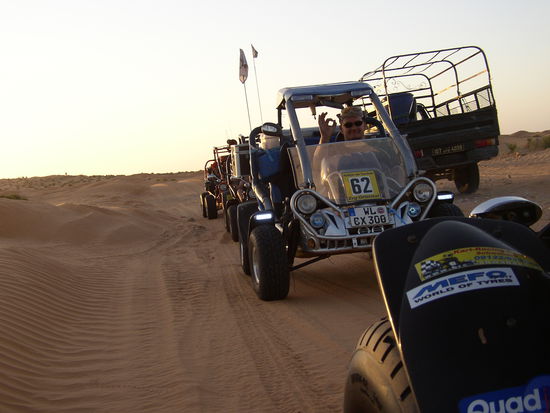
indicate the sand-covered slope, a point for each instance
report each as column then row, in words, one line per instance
column 118, row 296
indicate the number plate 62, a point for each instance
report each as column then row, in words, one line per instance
column 360, row 185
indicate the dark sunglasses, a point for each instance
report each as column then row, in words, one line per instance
column 350, row 124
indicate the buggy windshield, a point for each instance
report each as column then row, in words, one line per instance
column 353, row 171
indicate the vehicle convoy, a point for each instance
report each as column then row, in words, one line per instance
column 316, row 200
column 443, row 101
column 472, row 338
column 215, row 192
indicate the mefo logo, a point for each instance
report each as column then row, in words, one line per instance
column 534, row 398
column 461, row 282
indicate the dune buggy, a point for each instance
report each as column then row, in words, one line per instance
column 239, row 182
column 316, row 200
column 215, row 192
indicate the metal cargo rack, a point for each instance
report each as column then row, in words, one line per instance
column 443, row 82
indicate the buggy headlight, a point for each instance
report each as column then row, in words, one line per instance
column 251, row 194
column 317, row 220
column 223, row 187
column 306, row 204
column 423, row 192
column 414, row 210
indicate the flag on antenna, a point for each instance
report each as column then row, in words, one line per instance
column 243, row 68
column 254, row 52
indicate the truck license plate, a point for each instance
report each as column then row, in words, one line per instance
column 444, row 150
column 368, row 216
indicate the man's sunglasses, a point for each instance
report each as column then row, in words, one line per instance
column 350, row 124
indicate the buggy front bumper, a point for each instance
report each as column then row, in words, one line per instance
column 313, row 243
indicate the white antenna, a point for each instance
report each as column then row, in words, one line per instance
column 254, row 56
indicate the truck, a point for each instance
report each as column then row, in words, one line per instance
column 443, row 102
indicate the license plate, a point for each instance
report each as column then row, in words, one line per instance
column 368, row 216
column 360, row 185
column 444, row 150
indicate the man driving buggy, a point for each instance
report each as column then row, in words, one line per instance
column 352, row 125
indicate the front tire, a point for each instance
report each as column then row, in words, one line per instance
column 211, row 208
column 244, row 212
column 203, row 203
column 377, row 381
column 467, row 178
column 233, row 226
column 268, row 263
column 226, row 206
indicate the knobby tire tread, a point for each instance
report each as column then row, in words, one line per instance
column 273, row 263
column 379, row 342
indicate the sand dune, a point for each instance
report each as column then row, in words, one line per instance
column 118, row 296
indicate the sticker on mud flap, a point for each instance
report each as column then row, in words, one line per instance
column 472, row 256
column 360, row 185
column 461, row 282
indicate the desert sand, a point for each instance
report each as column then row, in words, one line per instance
column 118, row 296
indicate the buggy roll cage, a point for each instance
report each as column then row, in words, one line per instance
column 221, row 168
column 206, row 167
column 438, row 72
column 334, row 95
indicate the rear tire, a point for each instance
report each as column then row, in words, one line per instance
column 268, row 263
column 444, row 209
column 211, row 208
column 467, row 178
column 233, row 226
column 377, row 380
column 244, row 212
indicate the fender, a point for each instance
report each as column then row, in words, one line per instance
column 471, row 315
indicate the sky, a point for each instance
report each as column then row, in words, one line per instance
column 98, row 87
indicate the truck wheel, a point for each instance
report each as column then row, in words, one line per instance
column 377, row 381
column 232, row 218
column 244, row 212
column 444, row 209
column 467, row 178
column 203, row 204
column 268, row 263
column 211, row 209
